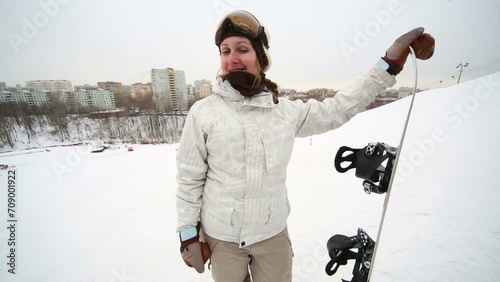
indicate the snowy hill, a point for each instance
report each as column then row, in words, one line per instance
column 443, row 216
column 111, row 216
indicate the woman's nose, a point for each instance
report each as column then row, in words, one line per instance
column 233, row 58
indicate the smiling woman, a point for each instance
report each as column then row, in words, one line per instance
column 235, row 148
column 243, row 45
column 237, row 54
column 241, row 67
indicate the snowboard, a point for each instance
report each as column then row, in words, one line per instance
column 376, row 163
column 440, row 217
column 441, row 203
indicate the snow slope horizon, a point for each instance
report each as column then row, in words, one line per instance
column 111, row 216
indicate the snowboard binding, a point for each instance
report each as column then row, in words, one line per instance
column 339, row 249
column 368, row 162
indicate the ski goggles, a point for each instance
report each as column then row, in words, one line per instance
column 242, row 22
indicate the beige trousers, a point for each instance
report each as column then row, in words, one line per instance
column 266, row 261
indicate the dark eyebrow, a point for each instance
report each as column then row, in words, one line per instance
column 237, row 43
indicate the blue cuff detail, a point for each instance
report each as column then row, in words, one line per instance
column 381, row 63
column 189, row 233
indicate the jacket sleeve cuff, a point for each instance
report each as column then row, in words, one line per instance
column 382, row 76
column 189, row 233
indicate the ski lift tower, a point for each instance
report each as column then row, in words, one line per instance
column 461, row 66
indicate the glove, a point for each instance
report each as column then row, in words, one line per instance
column 422, row 43
column 195, row 253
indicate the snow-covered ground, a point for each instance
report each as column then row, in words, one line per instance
column 111, row 216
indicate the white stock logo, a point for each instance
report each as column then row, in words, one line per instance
column 121, row 277
column 454, row 116
column 363, row 37
column 74, row 158
column 30, row 27
column 225, row 7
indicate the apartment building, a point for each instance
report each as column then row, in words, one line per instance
column 404, row 92
column 141, row 89
column 86, row 87
column 49, row 85
column 112, row 86
column 169, row 90
column 202, row 88
column 32, row 98
column 190, row 94
column 93, row 99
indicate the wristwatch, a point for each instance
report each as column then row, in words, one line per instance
column 388, row 66
column 188, row 233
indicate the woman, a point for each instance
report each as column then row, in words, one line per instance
column 235, row 148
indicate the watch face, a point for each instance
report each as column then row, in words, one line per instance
column 382, row 64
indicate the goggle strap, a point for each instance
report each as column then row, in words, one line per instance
column 228, row 23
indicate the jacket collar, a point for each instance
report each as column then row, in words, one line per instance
column 224, row 89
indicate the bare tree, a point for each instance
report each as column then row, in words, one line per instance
column 7, row 126
column 57, row 114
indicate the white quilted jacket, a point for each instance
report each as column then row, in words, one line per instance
column 234, row 151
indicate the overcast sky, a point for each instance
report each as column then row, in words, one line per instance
column 314, row 43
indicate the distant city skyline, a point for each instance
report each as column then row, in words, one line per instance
column 318, row 44
column 168, row 91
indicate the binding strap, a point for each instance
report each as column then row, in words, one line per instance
column 368, row 162
column 339, row 249
column 350, row 158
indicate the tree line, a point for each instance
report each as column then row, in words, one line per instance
column 20, row 122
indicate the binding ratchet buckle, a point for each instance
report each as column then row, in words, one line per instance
column 373, row 163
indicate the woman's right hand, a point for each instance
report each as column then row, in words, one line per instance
column 194, row 252
column 398, row 52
